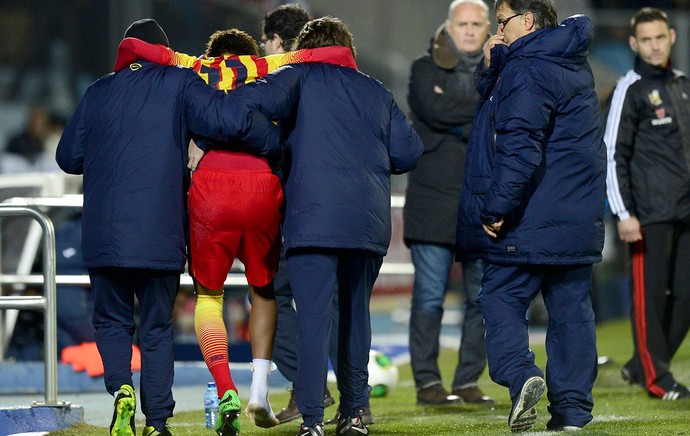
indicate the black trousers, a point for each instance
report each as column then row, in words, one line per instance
column 660, row 286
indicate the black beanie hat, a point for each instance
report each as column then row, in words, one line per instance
column 147, row 30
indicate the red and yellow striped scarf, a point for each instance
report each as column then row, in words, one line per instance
column 228, row 72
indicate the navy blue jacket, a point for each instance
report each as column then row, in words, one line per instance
column 129, row 137
column 343, row 138
column 536, row 157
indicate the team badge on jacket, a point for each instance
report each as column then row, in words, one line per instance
column 659, row 110
column 655, row 98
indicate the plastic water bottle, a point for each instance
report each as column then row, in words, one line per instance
column 211, row 405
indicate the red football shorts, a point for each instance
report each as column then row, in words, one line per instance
column 234, row 213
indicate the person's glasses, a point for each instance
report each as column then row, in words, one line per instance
column 264, row 40
column 502, row 23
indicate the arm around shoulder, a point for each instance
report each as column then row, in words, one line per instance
column 224, row 118
column 275, row 94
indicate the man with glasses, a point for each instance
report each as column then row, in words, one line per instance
column 532, row 207
column 280, row 27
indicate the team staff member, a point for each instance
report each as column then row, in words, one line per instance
column 344, row 137
column 648, row 184
column 129, row 137
column 532, row 207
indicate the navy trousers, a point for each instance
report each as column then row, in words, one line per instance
column 285, row 343
column 313, row 273
column 571, row 369
column 114, row 290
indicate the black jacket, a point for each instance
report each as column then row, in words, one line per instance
column 648, row 145
column 443, row 121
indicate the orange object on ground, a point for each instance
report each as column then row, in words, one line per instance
column 85, row 357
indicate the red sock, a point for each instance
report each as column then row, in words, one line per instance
column 213, row 340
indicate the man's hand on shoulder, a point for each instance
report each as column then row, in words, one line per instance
column 195, row 155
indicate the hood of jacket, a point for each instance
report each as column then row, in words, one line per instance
column 568, row 44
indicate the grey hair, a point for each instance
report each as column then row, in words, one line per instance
column 481, row 3
column 544, row 11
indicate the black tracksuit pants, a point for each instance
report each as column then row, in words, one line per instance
column 660, row 303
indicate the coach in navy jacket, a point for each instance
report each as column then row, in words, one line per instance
column 339, row 161
column 129, row 138
column 532, row 206
column 344, row 137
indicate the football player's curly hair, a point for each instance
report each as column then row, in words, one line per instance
column 231, row 42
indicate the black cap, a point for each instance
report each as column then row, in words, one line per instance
column 147, row 30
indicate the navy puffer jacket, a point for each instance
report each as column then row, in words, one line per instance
column 344, row 136
column 536, row 157
column 129, row 137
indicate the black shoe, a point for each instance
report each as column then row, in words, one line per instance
column 523, row 415
column 565, row 428
column 350, row 426
column 628, row 376
column 124, row 408
column 677, row 392
column 473, row 395
column 291, row 412
column 556, row 424
column 435, row 395
column 314, row 430
column 364, row 413
column 328, row 399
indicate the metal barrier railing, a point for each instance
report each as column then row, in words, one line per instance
column 24, row 206
column 46, row 303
